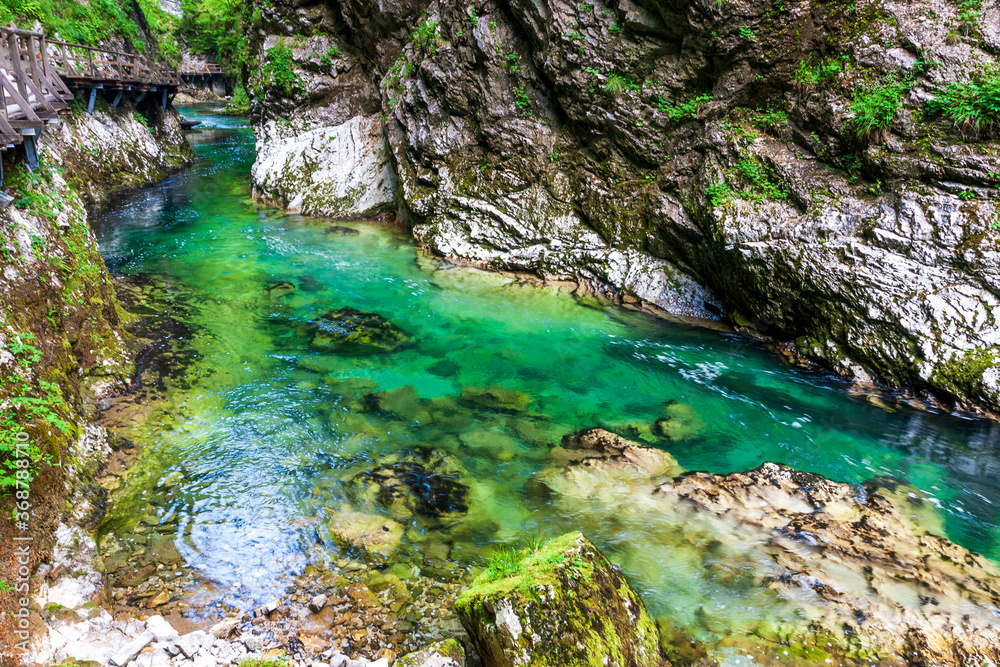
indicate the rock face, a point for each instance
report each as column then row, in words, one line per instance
column 542, row 610
column 708, row 158
column 64, row 346
column 866, row 571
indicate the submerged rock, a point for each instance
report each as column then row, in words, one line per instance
column 680, row 422
column 832, row 570
column 376, row 535
column 279, row 289
column 496, row 399
column 425, row 483
column 351, row 330
column 563, row 604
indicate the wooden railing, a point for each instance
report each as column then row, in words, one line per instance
column 208, row 69
column 37, row 76
column 74, row 61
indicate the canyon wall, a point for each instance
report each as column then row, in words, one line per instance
column 63, row 340
column 799, row 169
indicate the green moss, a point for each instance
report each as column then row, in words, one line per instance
column 531, row 568
column 963, row 373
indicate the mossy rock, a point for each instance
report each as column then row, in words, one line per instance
column 355, row 331
column 561, row 605
column 496, row 399
column 448, row 653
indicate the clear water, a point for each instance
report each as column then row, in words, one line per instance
column 253, row 453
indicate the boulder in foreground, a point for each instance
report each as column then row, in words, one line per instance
column 563, row 604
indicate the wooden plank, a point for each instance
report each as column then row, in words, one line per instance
column 13, row 91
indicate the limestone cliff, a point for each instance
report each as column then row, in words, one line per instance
column 780, row 164
column 63, row 344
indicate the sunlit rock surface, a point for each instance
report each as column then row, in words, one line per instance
column 866, row 569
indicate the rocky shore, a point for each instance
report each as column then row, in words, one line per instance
column 65, row 345
column 826, row 573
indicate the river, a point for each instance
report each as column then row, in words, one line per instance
column 260, row 438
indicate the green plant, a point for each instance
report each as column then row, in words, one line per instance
column 425, row 35
column 967, row 195
column 83, row 22
column 684, row 110
column 972, row 105
column 719, row 194
column 874, row 106
column 970, row 14
column 326, row 60
column 824, row 71
column 522, row 101
column 279, row 70
column 747, row 33
column 504, row 562
column 239, row 104
column 614, row 85
column 141, row 119
column 217, row 28
column 763, row 181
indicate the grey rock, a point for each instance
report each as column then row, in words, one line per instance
column 267, row 608
column 224, row 628
column 317, row 603
column 160, row 628
column 193, row 642
column 125, row 654
column 99, row 652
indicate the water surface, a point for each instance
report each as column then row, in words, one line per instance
column 256, row 447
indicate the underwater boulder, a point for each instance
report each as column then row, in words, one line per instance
column 279, row 289
column 842, row 571
column 376, row 535
column 340, row 230
column 423, row 483
column 679, row 422
column 495, row 399
column 562, row 604
column 356, row 331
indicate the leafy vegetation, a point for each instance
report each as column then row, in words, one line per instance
column 217, row 28
column 971, row 105
column 278, row 71
column 25, row 401
column 504, row 562
column 683, row 110
column 763, row 181
column 425, row 35
column 239, row 105
column 824, row 71
column 75, row 20
column 874, row 106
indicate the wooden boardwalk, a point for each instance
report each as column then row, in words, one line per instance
column 39, row 77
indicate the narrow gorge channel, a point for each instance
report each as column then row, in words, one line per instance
column 264, row 442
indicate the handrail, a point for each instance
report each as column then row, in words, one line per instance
column 35, row 74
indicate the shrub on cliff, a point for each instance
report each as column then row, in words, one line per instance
column 874, row 106
column 972, row 105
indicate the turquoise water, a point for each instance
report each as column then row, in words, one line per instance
column 260, row 444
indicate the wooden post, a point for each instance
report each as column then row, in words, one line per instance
column 15, row 63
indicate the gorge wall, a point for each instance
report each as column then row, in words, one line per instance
column 778, row 164
column 63, row 340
